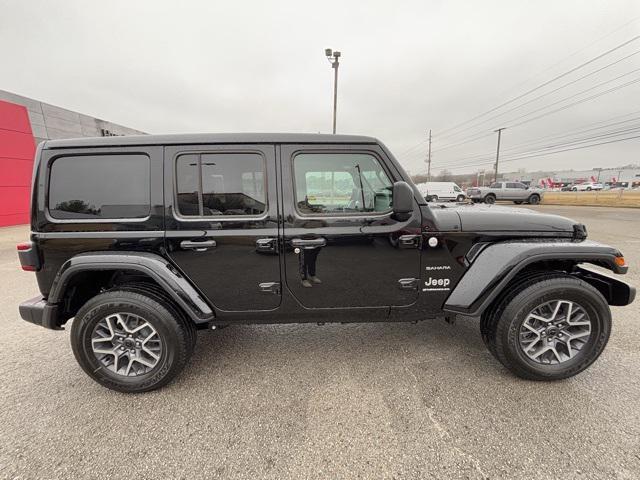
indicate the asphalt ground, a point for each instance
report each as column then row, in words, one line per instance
column 422, row 400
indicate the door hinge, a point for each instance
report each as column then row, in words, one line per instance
column 270, row 287
column 408, row 283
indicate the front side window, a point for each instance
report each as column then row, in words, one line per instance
column 341, row 183
column 496, row 185
column 94, row 187
column 213, row 184
column 456, row 188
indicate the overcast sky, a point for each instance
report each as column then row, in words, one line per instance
column 222, row 66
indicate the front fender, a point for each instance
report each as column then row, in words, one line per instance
column 497, row 264
column 156, row 267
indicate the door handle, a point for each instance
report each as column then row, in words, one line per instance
column 309, row 242
column 197, row 245
column 409, row 241
column 268, row 245
column 408, row 283
column 270, row 287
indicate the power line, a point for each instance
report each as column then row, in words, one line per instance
column 564, row 107
column 473, row 135
column 614, row 89
column 546, row 153
column 577, row 141
column 544, row 84
column 570, row 133
column 599, row 39
column 555, row 90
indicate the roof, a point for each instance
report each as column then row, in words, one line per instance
column 208, row 138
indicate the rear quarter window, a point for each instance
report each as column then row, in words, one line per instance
column 86, row 187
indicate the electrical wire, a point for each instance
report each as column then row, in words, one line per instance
column 544, row 84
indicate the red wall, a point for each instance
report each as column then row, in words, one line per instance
column 16, row 164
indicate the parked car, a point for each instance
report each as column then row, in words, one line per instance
column 513, row 191
column 587, row 187
column 140, row 241
column 437, row 191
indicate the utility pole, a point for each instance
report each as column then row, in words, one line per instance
column 429, row 159
column 335, row 63
column 495, row 178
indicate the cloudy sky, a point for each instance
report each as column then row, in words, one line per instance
column 407, row 67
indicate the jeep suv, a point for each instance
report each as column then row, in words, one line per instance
column 143, row 240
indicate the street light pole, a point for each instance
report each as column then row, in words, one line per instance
column 333, row 58
column 429, row 159
column 495, row 178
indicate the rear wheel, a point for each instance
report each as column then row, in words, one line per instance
column 490, row 199
column 130, row 341
column 548, row 328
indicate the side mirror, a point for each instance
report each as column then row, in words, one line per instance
column 402, row 201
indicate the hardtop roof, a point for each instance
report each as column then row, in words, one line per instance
column 208, row 138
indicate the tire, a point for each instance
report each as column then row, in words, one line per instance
column 534, row 199
column 159, row 295
column 574, row 189
column 434, row 198
column 518, row 202
column 490, row 199
column 588, row 189
column 460, row 198
column 170, row 335
column 502, row 328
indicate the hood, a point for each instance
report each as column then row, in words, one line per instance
column 492, row 218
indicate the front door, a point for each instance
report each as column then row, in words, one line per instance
column 222, row 223
column 343, row 247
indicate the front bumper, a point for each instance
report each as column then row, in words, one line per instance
column 39, row 312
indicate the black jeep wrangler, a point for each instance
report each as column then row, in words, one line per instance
column 144, row 240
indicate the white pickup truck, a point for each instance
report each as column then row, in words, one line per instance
column 512, row 191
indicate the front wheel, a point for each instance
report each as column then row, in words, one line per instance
column 129, row 341
column 534, row 199
column 460, row 198
column 551, row 327
column 434, row 198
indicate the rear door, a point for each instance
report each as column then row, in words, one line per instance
column 343, row 248
column 221, row 217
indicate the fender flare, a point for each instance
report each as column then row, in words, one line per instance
column 159, row 269
column 494, row 266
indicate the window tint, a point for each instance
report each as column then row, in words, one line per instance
column 339, row 183
column 512, row 185
column 521, row 186
column 456, row 188
column 211, row 184
column 496, row 185
column 100, row 186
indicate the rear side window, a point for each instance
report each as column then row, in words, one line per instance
column 86, row 187
column 214, row 184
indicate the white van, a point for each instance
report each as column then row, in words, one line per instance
column 441, row 191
